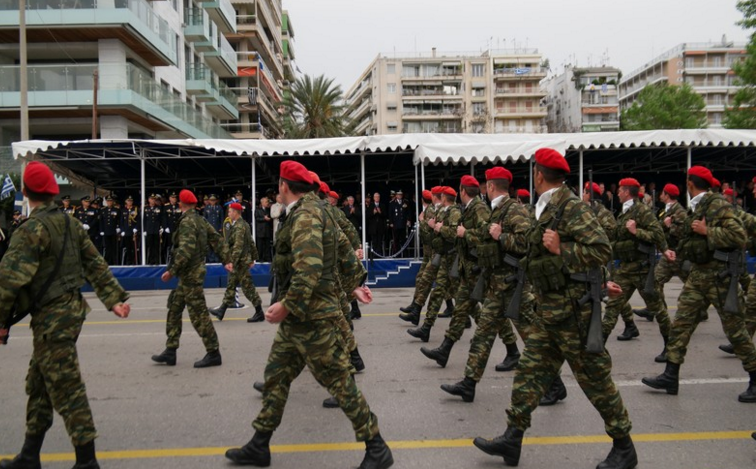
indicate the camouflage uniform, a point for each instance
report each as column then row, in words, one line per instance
column 666, row 269
column 450, row 216
column 310, row 249
column 749, row 222
column 633, row 269
column 605, row 218
column 243, row 253
column 190, row 242
column 427, row 274
column 426, row 236
column 704, row 287
column 558, row 333
column 515, row 223
column 54, row 380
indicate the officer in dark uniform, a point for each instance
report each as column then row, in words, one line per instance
column 399, row 219
column 88, row 218
column 172, row 213
column 130, row 228
column 110, row 230
column 153, row 226
column 67, row 208
column 247, row 214
column 214, row 215
column 96, row 205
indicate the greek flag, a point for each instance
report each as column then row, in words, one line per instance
column 522, row 71
column 8, row 188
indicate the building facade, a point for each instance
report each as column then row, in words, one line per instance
column 493, row 92
column 583, row 99
column 707, row 67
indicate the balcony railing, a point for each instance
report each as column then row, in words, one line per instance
column 246, row 128
column 520, row 71
column 428, row 92
column 521, row 110
column 431, row 112
column 246, row 19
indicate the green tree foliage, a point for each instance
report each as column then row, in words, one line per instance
column 742, row 114
column 314, row 109
column 664, row 106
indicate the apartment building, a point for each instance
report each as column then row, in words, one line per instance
column 583, row 99
column 494, row 92
column 156, row 69
column 707, row 67
column 264, row 44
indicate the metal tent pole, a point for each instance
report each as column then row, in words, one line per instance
column 530, row 182
column 364, row 207
column 580, row 186
column 141, row 214
column 418, row 201
column 689, row 164
column 252, row 199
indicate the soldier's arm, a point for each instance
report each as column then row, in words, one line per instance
column 749, row 223
column 97, row 273
column 307, row 265
column 181, row 254
column 650, row 230
column 237, row 235
column 515, row 240
column 20, row 263
column 449, row 231
column 351, row 269
column 590, row 246
column 478, row 233
column 726, row 231
column 253, row 248
column 216, row 241
column 349, row 230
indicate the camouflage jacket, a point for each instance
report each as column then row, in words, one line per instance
column 447, row 235
column 474, row 217
column 240, row 244
column 749, row 223
column 21, row 270
column 311, row 252
column 648, row 230
column 673, row 233
column 191, row 239
column 426, row 232
column 606, row 219
column 345, row 225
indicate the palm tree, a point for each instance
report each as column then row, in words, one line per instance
column 314, row 109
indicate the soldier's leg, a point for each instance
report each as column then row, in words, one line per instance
column 463, row 309
column 750, row 309
column 655, row 305
column 489, row 324
column 327, row 357
column 39, row 410
column 176, row 305
column 248, row 287
column 615, row 305
column 443, row 284
column 663, row 273
column 199, row 316
column 423, row 288
column 733, row 325
column 691, row 302
column 229, row 297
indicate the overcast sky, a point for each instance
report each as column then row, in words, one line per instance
column 339, row 38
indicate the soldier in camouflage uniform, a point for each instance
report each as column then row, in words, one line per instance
column 500, row 242
column 310, row 249
column 565, row 241
column 604, row 216
column 243, row 255
column 637, row 227
column 475, row 215
column 444, row 244
column 713, row 230
column 191, row 239
column 426, row 236
column 49, row 260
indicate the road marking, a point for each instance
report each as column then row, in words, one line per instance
column 411, row 444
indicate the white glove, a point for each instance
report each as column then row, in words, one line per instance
column 123, row 234
column 86, row 227
column 161, row 231
column 168, row 230
column 102, row 233
column 118, row 230
column 135, row 230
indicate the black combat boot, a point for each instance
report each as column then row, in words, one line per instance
column 219, row 312
column 729, row 348
column 258, row 386
column 422, row 332
column 662, row 357
column 440, row 354
column 237, row 304
column 556, row 392
column 210, row 359
column 28, row 458
column 408, row 309
column 168, row 357
column 511, row 360
column 355, row 312
column 668, row 381
column 377, row 454
column 412, row 314
column 622, row 455
column 85, row 457
column 356, row 360
column 254, row 453
column 259, row 315
column 750, row 394
column 464, row 389
column 507, row 446
column 631, row 330
column 468, row 322
column 449, row 309
column 753, row 435
column 331, row 403
column 645, row 314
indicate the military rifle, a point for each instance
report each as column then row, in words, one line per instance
column 513, row 309
column 454, row 271
column 594, row 342
column 734, row 261
column 649, row 288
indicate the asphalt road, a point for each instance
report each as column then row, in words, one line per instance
column 151, row 416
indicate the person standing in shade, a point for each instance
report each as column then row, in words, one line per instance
column 191, row 240
column 88, row 218
column 130, row 227
column 278, row 214
column 213, row 213
column 376, row 213
column 566, row 240
column 67, row 208
column 243, row 255
column 172, row 213
column 264, row 230
column 49, row 260
column 399, row 220
column 353, row 213
column 110, row 230
column 310, row 249
column 153, row 227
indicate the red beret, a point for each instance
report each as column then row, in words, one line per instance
column 450, row 191
column 333, row 194
column 629, row 182
column 187, row 197
column 427, row 194
column 672, row 190
column 293, row 171
column 498, row 172
column 704, row 174
column 729, row 192
column 315, row 177
column 437, row 190
column 596, row 187
column 237, row 206
column 550, row 158
column 324, row 188
column 38, row 178
column 469, row 181
column 522, row 193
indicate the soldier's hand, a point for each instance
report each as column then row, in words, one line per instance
column 102, row 233
column 613, row 289
column 86, row 227
column 3, row 336
column 495, row 231
column 631, row 227
column 118, row 230
column 363, row 295
column 161, row 231
column 668, row 222
column 360, row 254
column 670, row 255
column 551, row 242
column 122, row 310
column 699, row 226
column 251, row 264
column 166, row 276
column 438, row 226
column 168, row 230
column 432, row 222
column 229, row 267
column 461, row 231
column 421, row 217
column 276, row 313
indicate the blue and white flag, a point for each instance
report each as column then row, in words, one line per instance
column 522, row 71
column 19, row 203
column 8, row 188
column 604, row 88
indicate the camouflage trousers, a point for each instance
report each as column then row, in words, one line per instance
column 493, row 321
column 630, row 281
column 547, row 347
column 424, row 284
column 663, row 273
column 241, row 277
column 703, row 288
column 191, row 296
column 444, row 284
column 346, row 326
column 320, row 346
column 54, row 383
column 464, row 306
column 750, row 309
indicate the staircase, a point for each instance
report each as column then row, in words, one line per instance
column 393, row 273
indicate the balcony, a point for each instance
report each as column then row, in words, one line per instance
column 247, row 130
column 430, row 92
column 253, row 28
column 134, row 95
column 521, row 111
column 520, row 73
column 223, row 14
column 415, row 113
column 199, row 80
column 430, row 128
column 363, row 108
column 533, row 129
column 197, row 27
column 223, row 104
column 251, row 65
column 533, row 92
column 222, row 59
column 133, row 22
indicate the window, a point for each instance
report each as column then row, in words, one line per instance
column 716, row 80
column 716, row 118
column 478, row 70
column 391, row 87
column 391, row 107
column 716, row 61
column 479, row 109
column 690, row 62
column 392, row 127
column 391, row 69
column 411, row 71
column 477, row 92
